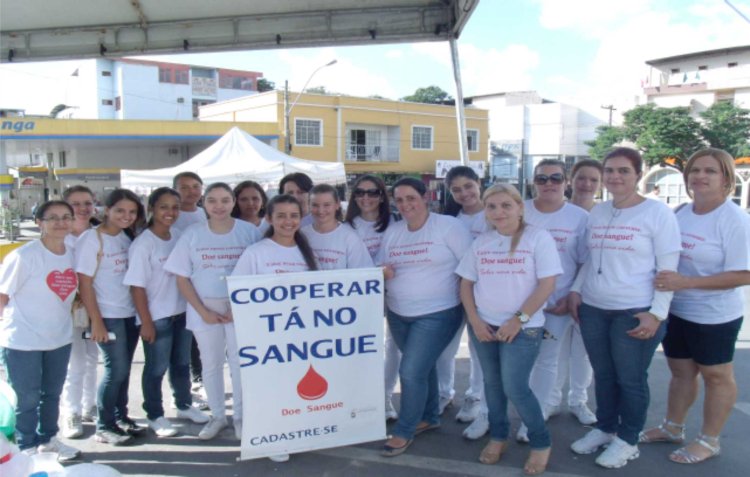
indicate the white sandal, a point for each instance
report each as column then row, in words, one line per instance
column 666, row 434
column 683, row 456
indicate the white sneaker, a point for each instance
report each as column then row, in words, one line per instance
column 162, row 427
column 469, row 410
column 200, row 403
column 618, row 454
column 279, row 457
column 89, row 415
column 523, row 434
column 583, row 414
column 213, row 427
column 551, row 411
column 591, row 442
column 192, row 414
column 64, row 452
column 390, row 411
column 444, row 403
column 237, row 428
column 478, row 428
column 72, row 427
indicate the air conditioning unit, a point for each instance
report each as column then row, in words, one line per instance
column 180, row 100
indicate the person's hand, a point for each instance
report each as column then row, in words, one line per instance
column 574, row 302
column 669, row 281
column 388, row 272
column 99, row 331
column 148, row 332
column 482, row 330
column 229, row 316
column 508, row 331
column 560, row 308
column 213, row 318
column 647, row 327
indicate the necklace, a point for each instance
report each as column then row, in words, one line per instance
column 616, row 211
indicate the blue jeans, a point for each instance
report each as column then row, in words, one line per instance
column 620, row 366
column 37, row 377
column 421, row 339
column 506, row 368
column 170, row 350
column 117, row 354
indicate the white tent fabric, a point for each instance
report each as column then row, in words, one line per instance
column 235, row 157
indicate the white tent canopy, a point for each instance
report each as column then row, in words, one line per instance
column 235, row 157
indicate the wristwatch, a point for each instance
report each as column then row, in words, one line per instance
column 522, row 317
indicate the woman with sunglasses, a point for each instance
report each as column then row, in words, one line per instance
column 507, row 276
column 37, row 287
column 79, row 393
column 250, row 203
column 465, row 203
column 202, row 257
column 423, row 248
column 101, row 257
column 567, row 225
column 629, row 240
column 335, row 246
column 706, row 314
column 369, row 215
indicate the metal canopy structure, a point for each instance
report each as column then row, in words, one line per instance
column 37, row 30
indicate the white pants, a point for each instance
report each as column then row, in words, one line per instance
column 217, row 345
column 446, row 371
column 574, row 361
column 392, row 363
column 546, row 381
column 79, row 391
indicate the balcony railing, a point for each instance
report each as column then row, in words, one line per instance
column 388, row 152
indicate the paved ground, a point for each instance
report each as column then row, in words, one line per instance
column 440, row 453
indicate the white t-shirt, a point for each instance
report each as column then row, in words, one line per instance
column 186, row 219
column 41, row 287
column 623, row 244
column 365, row 229
column 712, row 243
column 338, row 249
column 567, row 225
column 268, row 257
column 147, row 256
column 206, row 258
column 476, row 224
column 503, row 282
column 424, row 262
column 112, row 296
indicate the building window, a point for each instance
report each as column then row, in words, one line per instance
column 182, row 77
column 234, row 81
column 118, row 103
column 421, row 137
column 61, row 159
column 472, row 139
column 308, row 132
column 197, row 103
column 165, row 75
column 107, row 102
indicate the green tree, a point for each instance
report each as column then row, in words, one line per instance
column 727, row 127
column 265, row 85
column 606, row 138
column 318, row 90
column 660, row 133
column 430, row 94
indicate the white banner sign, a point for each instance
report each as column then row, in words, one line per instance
column 443, row 166
column 311, row 357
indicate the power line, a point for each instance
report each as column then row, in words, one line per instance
column 737, row 10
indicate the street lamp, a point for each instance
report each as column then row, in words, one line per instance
column 288, row 107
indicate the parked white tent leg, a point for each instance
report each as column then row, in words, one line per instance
column 460, row 116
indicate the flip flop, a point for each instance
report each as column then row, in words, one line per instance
column 424, row 427
column 390, row 451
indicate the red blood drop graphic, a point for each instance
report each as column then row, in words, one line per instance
column 312, row 386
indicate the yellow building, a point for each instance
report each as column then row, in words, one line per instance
column 366, row 134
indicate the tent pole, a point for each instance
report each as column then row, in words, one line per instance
column 460, row 116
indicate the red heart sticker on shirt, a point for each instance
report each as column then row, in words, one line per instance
column 62, row 283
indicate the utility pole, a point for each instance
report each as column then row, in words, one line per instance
column 610, row 108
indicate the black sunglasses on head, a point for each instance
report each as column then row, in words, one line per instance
column 556, row 178
column 369, row 192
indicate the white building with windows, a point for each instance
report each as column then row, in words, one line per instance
column 140, row 89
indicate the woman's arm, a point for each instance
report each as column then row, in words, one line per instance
column 140, row 299
column 673, row 281
column 188, row 291
column 4, row 299
column 88, row 297
column 481, row 329
column 544, row 288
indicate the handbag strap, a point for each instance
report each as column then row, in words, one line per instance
column 99, row 253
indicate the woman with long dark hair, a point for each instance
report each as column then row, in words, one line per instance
column 250, row 204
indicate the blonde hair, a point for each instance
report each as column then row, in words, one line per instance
column 726, row 164
column 516, row 196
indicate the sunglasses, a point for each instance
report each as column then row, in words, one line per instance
column 556, row 178
column 367, row 192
